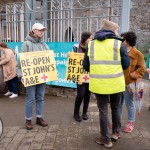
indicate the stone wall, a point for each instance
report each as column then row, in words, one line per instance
column 139, row 16
column 53, row 91
column 140, row 20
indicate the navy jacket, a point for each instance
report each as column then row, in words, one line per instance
column 103, row 35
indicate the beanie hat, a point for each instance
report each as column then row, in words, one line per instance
column 109, row 25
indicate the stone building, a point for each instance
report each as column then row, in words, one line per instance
column 66, row 19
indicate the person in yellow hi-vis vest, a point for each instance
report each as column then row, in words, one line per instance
column 105, row 59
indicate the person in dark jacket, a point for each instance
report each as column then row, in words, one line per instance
column 103, row 35
column 105, row 59
column 83, row 93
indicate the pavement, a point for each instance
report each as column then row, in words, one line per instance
column 63, row 132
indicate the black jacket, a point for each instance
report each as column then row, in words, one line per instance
column 103, row 35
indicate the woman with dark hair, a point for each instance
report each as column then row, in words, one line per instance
column 135, row 71
column 8, row 61
column 83, row 93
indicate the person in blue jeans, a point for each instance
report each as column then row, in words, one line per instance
column 135, row 71
column 34, row 43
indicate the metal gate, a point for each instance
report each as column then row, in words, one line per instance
column 65, row 19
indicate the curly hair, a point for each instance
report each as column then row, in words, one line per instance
column 130, row 38
column 122, row 34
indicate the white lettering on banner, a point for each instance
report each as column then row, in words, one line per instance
column 61, row 62
column 63, row 81
column 56, row 54
column 63, row 54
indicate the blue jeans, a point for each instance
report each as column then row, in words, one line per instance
column 102, row 102
column 12, row 85
column 35, row 92
column 131, row 110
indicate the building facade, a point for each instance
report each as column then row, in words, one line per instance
column 67, row 19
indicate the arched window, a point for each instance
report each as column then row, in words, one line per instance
column 69, row 37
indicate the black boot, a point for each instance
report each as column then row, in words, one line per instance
column 85, row 116
column 41, row 122
column 77, row 117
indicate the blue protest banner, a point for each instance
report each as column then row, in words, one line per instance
column 60, row 50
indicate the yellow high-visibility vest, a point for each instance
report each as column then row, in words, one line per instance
column 106, row 73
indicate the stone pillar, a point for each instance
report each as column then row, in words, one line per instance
column 125, row 15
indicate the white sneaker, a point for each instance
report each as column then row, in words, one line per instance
column 8, row 93
column 13, row 95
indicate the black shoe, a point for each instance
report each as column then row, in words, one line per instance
column 77, row 117
column 85, row 117
column 41, row 122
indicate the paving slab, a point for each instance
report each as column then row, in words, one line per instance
column 63, row 132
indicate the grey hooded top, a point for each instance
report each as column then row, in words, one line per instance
column 31, row 45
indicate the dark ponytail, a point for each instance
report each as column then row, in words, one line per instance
column 84, row 36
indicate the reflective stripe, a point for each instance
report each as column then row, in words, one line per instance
column 105, row 61
column 115, row 49
column 106, row 75
column 97, row 62
column 92, row 50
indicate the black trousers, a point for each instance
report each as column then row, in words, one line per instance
column 83, row 94
column 102, row 102
column 12, row 85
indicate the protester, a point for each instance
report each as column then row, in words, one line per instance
column 135, row 71
column 105, row 60
column 83, row 93
column 121, row 101
column 34, row 43
column 122, row 36
column 8, row 62
column 122, row 97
